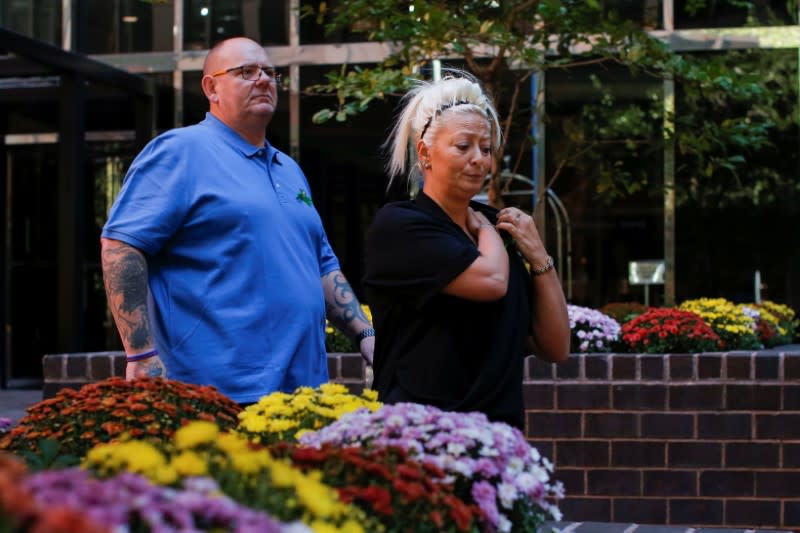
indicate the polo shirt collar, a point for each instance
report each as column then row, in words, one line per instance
column 247, row 149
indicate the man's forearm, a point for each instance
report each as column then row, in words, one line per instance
column 125, row 280
column 341, row 305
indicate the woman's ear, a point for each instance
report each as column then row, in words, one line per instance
column 423, row 152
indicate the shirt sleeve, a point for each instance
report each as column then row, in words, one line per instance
column 154, row 198
column 414, row 255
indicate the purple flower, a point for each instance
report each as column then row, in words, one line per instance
column 592, row 331
column 5, row 424
column 486, row 497
column 116, row 501
column 492, row 460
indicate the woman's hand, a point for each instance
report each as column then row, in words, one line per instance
column 522, row 228
column 476, row 219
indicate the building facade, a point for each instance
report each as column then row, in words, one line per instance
column 710, row 252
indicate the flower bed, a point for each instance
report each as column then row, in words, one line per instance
column 401, row 469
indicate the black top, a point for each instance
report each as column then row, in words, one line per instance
column 436, row 349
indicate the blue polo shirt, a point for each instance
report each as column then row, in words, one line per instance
column 235, row 252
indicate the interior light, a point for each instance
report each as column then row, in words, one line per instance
column 130, row 19
column 204, row 11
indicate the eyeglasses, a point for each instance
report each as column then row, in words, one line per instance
column 252, row 72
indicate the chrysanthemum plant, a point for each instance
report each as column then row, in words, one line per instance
column 788, row 324
column 736, row 329
column 591, row 331
column 245, row 472
column 283, row 417
column 20, row 512
column 490, row 464
column 403, row 494
column 114, row 408
column 669, row 330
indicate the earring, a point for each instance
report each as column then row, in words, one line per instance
column 426, row 165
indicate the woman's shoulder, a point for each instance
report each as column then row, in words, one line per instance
column 401, row 211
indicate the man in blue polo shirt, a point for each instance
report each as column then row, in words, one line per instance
column 216, row 265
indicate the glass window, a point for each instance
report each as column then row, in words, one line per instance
column 588, row 143
column 206, row 22
column 344, row 164
column 313, row 32
column 737, row 220
column 120, row 26
column 40, row 19
column 646, row 13
column 718, row 14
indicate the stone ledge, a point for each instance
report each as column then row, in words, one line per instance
column 606, row 527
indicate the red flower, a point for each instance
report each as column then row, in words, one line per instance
column 665, row 330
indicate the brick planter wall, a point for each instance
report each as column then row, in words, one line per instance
column 707, row 440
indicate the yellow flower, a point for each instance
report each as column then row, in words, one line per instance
column 248, row 462
column 318, row 526
column 196, row 433
column 189, row 463
column 231, row 443
column 282, row 474
column 318, row 498
column 165, row 476
column 253, row 422
column 279, row 426
column 370, row 394
column 333, row 388
column 351, row 526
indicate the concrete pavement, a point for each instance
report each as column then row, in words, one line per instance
column 13, row 402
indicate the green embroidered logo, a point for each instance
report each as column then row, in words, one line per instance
column 302, row 196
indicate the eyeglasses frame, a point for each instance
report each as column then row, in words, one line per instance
column 275, row 76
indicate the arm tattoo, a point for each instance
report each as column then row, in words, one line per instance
column 341, row 304
column 125, row 279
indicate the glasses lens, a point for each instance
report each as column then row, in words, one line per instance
column 250, row 72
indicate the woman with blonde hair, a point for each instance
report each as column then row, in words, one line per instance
column 455, row 306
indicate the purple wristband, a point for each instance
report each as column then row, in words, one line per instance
column 142, row 356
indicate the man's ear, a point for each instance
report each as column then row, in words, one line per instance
column 209, row 86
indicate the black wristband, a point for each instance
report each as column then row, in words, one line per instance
column 369, row 332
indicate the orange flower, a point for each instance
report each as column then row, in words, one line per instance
column 102, row 411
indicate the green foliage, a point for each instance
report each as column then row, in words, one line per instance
column 731, row 104
column 47, row 456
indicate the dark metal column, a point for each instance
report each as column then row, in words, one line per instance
column 145, row 119
column 5, row 356
column 71, row 202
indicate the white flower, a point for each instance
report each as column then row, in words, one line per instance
column 555, row 512
column 507, row 494
column 456, row 448
column 515, row 466
column 526, row 482
column 486, row 451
